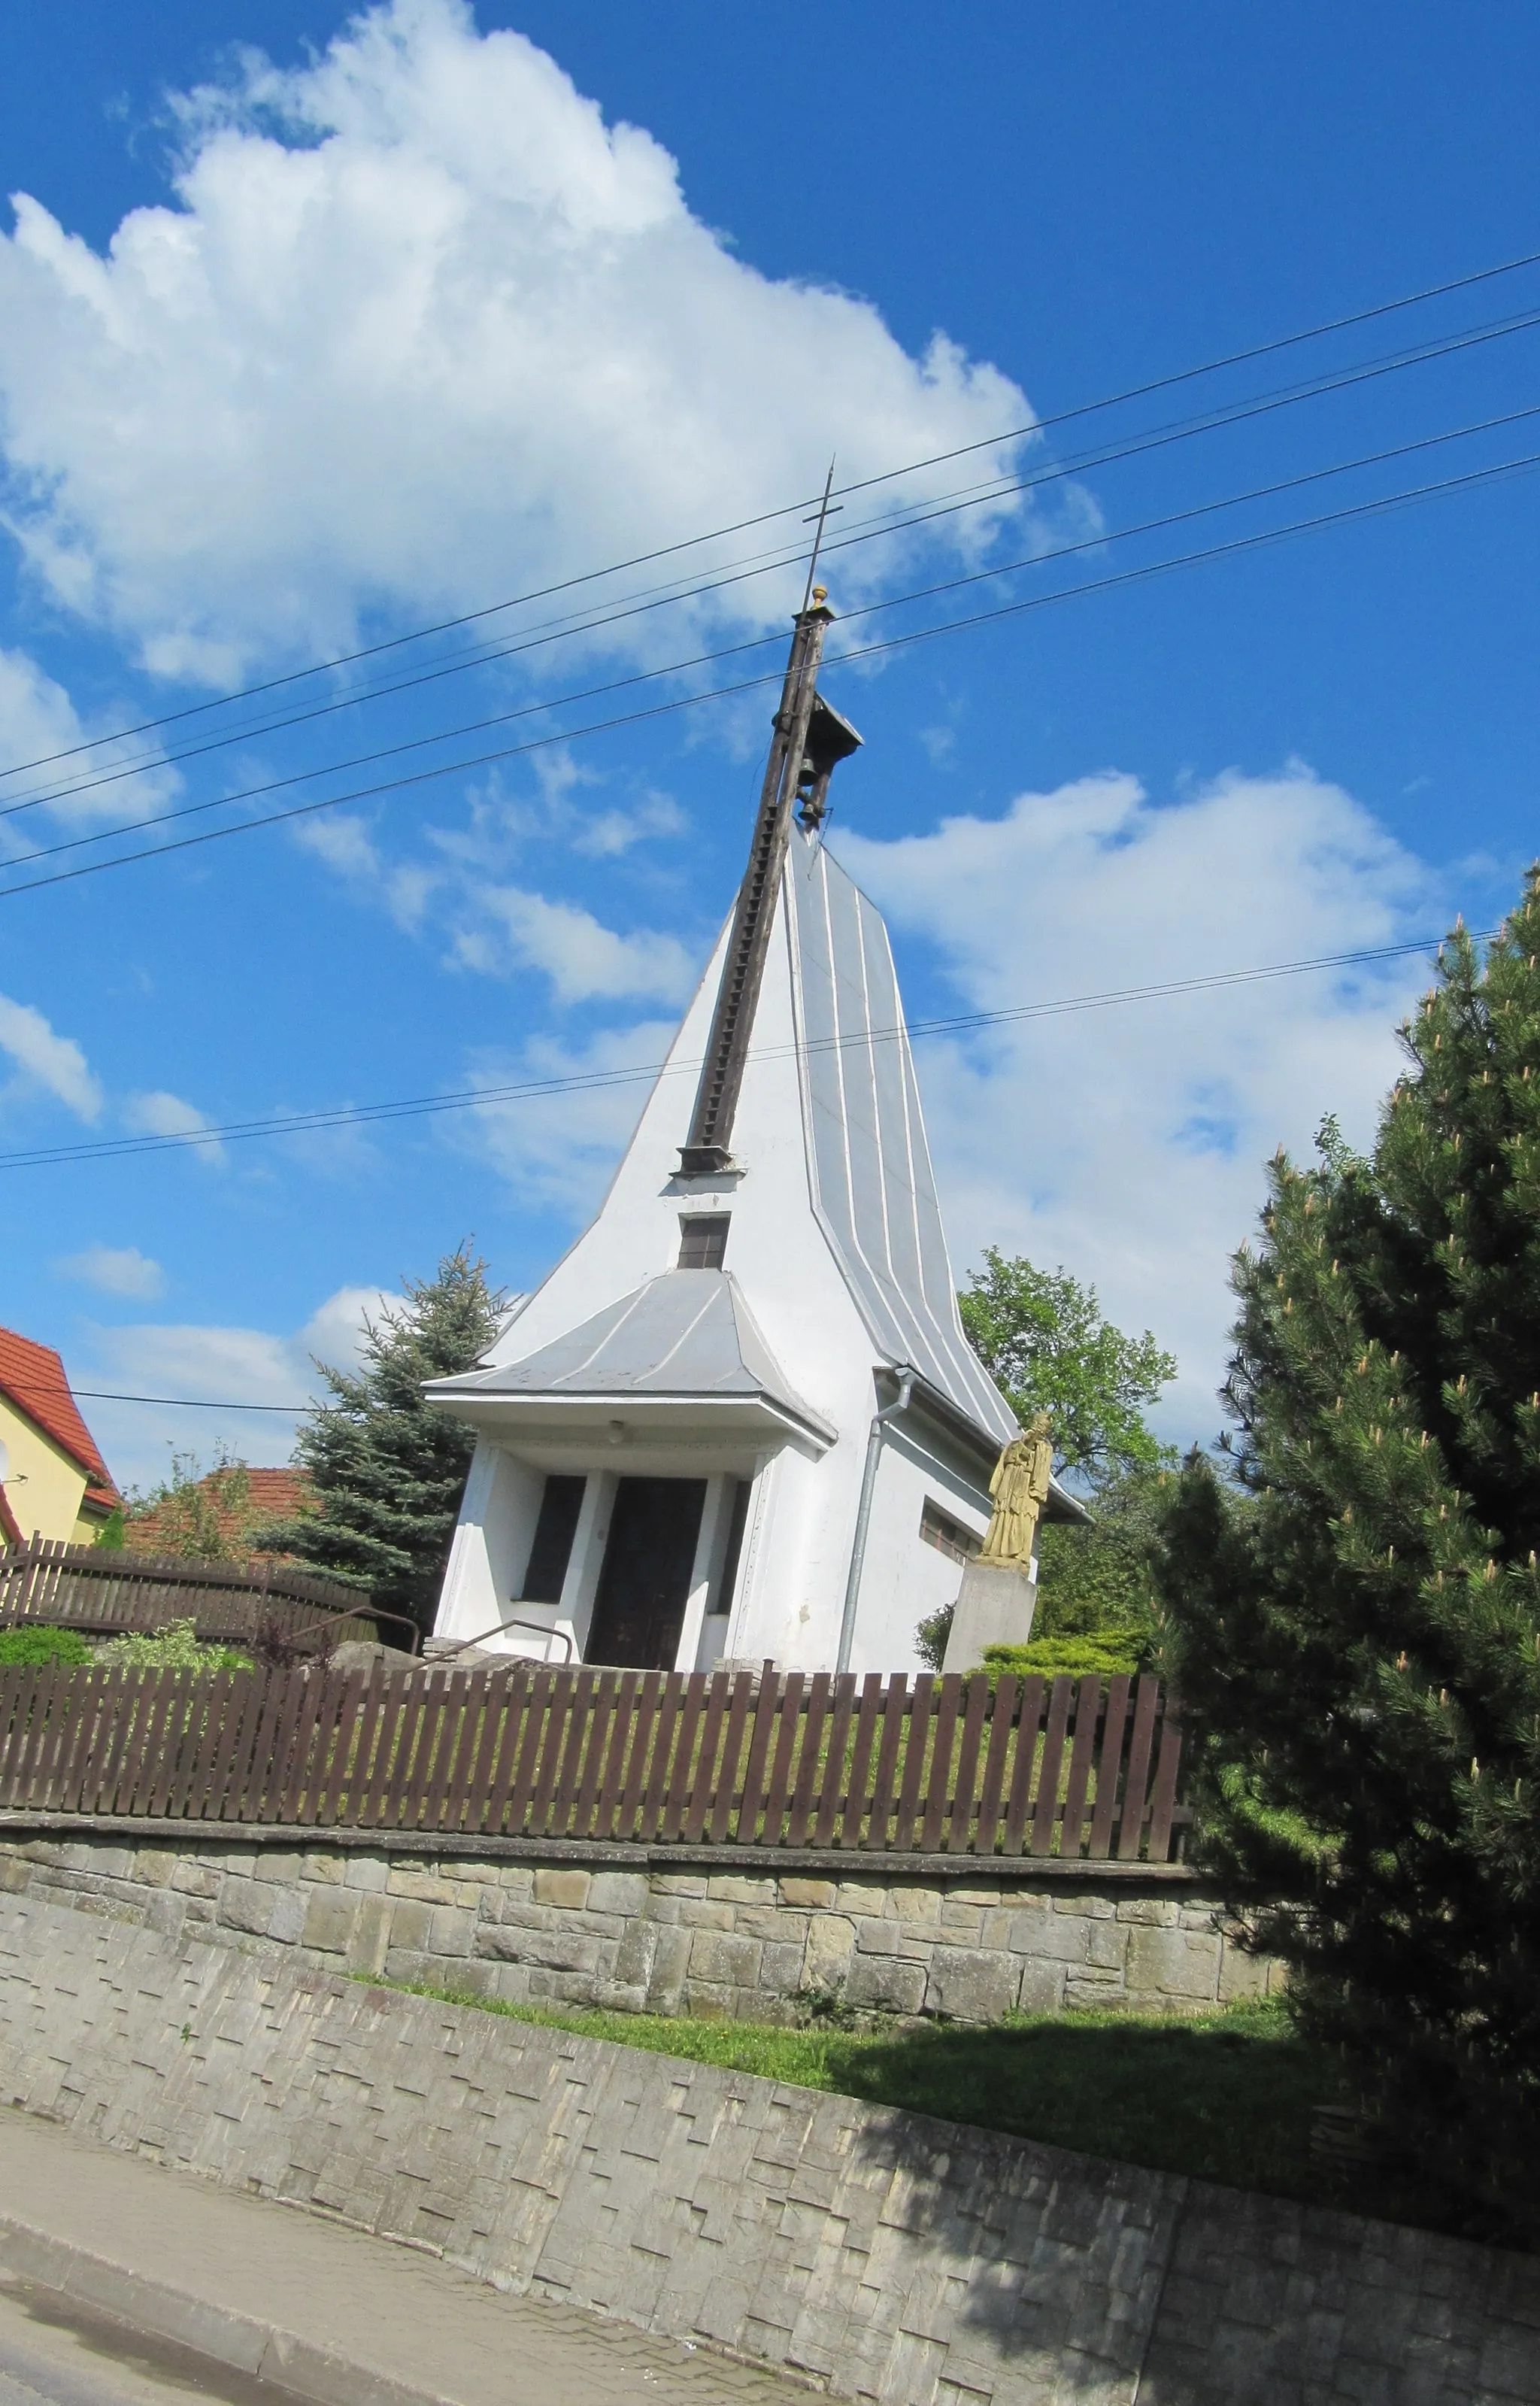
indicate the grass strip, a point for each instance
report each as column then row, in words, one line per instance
column 1223, row 2097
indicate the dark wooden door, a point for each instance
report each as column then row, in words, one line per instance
column 645, row 1584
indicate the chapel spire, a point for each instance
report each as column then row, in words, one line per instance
column 811, row 739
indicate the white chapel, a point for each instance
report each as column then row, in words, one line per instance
column 740, row 1420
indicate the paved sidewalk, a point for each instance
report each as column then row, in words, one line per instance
column 327, row 2314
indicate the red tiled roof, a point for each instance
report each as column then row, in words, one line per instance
column 270, row 1496
column 278, row 1494
column 32, row 1375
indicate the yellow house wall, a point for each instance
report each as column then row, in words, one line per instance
column 44, row 1488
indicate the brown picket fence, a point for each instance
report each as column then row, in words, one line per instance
column 927, row 1766
column 105, row 1593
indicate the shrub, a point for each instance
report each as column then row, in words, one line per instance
column 1074, row 1654
column 1064, row 1658
column 175, row 1648
column 931, row 1636
column 198, row 1516
column 39, row 1642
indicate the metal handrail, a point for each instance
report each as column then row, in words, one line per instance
column 363, row 1612
column 516, row 1621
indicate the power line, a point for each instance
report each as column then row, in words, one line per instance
column 1036, row 426
column 477, row 1097
column 704, row 659
column 150, row 760
column 177, row 1403
column 1213, row 367
column 1236, row 546
column 482, row 655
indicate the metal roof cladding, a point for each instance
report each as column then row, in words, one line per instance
column 873, row 1188
column 685, row 1333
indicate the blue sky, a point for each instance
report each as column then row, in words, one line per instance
column 316, row 329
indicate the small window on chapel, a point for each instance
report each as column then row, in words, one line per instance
column 703, row 1239
column 948, row 1536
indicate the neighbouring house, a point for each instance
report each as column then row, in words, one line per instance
column 53, row 1481
column 223, row 1514
column 741, row 1420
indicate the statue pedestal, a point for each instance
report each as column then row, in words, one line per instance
column 995, row 1608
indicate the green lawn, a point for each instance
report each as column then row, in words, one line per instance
column 1227, row 2097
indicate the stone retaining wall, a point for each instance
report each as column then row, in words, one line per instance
column 639, row 1933
column 882, row 2255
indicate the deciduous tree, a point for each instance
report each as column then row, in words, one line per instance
column 1042, row 1336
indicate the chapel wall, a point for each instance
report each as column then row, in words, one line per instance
column 905, row 1579
column 492, row 1544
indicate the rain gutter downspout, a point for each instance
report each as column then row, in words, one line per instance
column 906, row 1377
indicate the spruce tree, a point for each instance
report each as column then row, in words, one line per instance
column 1358, row 1621
column 389, row 1469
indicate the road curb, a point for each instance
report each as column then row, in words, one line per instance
column 245, row 2343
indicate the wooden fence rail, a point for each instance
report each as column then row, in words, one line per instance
column 103, row 1593
column 932, row 1766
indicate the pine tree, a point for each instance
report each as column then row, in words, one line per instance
column 1359, row 1622
column 387, row 1467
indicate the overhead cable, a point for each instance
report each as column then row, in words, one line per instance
column 480, row 1097
column 154, row 759
column 177, row 1403
column 1035, row 427
column 1233, row 546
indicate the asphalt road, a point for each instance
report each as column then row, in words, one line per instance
column 54, row 2354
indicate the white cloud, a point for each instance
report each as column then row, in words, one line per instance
column 162, row 1115
column 1128, row 1142
column 115, row 1269
column 346, row 1152
column 940, row 744
column 558, row 1151
column 335, row 1333
column 233, row 1367
column 345, row 844
column 609, row 833
column 229, row 1366
column 55, row 1063
column 36, row 721
column 584, row 959
column 419, row 328
column 495, row 927
column 39, row 723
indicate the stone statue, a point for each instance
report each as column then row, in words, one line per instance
column 1020, row 1489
